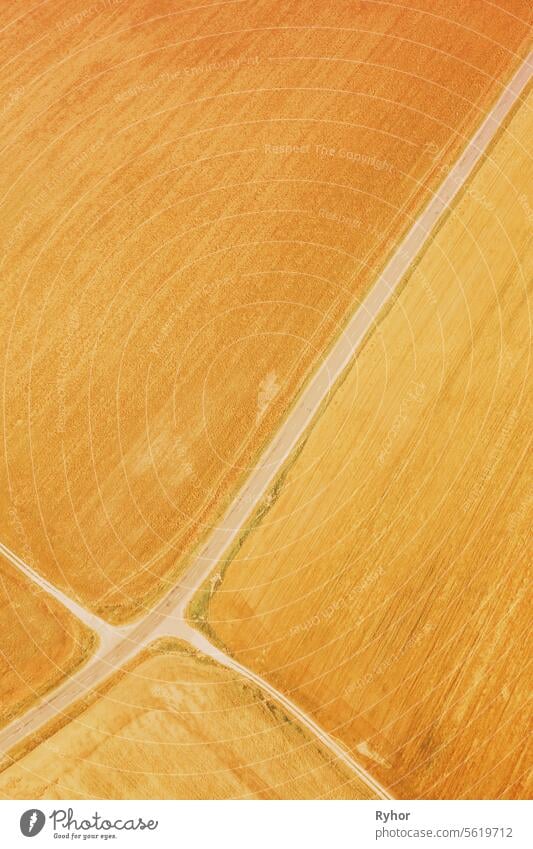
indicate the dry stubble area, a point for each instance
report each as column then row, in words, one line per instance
column 384, row 584
column 176, row 725
column 193, row 199
column 41, row 643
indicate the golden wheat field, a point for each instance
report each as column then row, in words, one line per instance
column 41, row 643
column 194, row 200
column 174, row 725
column 383, row 584
column 197, row 197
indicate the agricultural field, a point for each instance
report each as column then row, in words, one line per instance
column 194, row 200
column 174, row 724
column 41, row 643
column 382, row 584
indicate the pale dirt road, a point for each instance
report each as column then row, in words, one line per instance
column 118, row 645
column 76, row 609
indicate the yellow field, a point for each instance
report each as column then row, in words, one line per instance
column 176, row 725
column 385, row 587
column 193, row 201
column 41, row 643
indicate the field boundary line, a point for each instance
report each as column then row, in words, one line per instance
column 91, row 620
column 336, row 360
column 200, row 642
column 168, row 617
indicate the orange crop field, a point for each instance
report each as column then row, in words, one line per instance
column 194, row 201
column 174, row 725
column 41, row 643
column 382, row 585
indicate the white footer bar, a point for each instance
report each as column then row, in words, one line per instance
column 266, row 825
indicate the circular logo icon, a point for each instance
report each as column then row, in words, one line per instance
column 32, row 822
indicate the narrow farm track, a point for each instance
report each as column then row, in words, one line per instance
column 168, row 618
column 195, row 201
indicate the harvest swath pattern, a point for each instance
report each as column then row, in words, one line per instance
column 176, row 191
column 195, row 201
column 175, row 725
column 385, row 587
